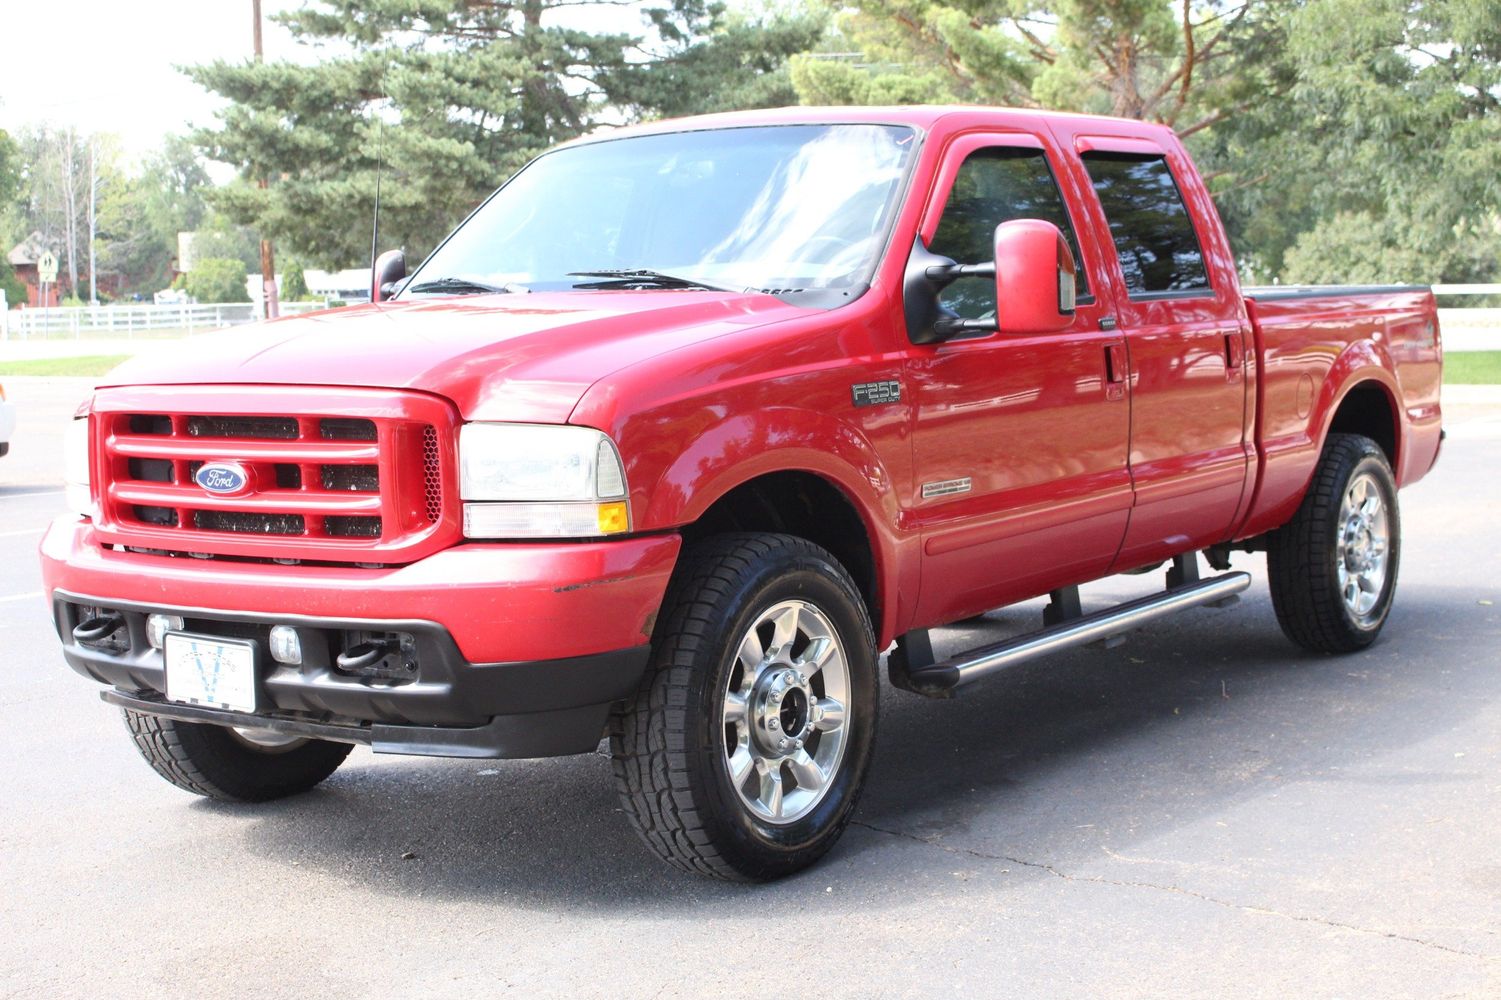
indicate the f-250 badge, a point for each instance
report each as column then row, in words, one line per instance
column 876, row 393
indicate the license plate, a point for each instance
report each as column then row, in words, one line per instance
column 215, row 673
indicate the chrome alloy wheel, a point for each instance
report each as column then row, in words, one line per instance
column 785, row 702
column 1363, row 545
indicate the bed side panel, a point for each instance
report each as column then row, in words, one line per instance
column 1314, row 346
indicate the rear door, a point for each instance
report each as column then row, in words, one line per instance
column 1020, row 441
column 1186, row 333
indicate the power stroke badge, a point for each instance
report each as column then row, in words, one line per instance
column 876, row 393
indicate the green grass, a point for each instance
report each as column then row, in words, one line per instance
column 91, row 364
column 1473, row 368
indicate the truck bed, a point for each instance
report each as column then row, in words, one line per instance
column 1315, row 343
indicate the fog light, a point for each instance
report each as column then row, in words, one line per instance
column 286, row 647
column 157, row 627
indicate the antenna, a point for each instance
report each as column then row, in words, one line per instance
column 380, row 138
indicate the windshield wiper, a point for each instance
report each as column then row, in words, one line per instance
column 632, row 277
column 464, row 286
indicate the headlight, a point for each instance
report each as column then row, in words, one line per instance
column 76, row 467
column 540, row 481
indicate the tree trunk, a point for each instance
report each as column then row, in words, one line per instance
column 70, row 208
column 534, row 89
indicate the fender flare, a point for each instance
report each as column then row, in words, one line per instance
column 746, row 446
column 1364, row 362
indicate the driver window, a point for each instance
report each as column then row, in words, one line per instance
column 993, row 186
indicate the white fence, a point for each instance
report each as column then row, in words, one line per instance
column 128, row 321
column 1465, row 329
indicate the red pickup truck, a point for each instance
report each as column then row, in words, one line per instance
column 689, row 422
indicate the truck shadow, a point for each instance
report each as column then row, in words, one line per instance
column 1050, row 765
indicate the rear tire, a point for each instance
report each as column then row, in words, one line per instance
column 1333, row 567
column 220, row 763
column 745, row 750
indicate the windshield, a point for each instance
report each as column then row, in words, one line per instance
column 782, row 208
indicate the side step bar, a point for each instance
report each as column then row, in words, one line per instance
column 941, row 679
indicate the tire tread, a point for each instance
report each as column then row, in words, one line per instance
column 649, row 734
column 1300, row 567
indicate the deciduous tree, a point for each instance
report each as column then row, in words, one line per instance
column 1174, row 62
column 1382, row 161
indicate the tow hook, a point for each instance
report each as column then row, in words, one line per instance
column 366, row 655
column 95, row 630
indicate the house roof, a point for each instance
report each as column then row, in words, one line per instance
column 27, row 251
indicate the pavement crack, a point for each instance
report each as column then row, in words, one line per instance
column 1179, row 890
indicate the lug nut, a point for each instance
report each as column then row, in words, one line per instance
column 781, row 744
column 798, row 744
column 773, row 724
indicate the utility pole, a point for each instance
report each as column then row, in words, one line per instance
column 268, row 258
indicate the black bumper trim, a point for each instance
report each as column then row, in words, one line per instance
column 536, row 734
column 448, row 694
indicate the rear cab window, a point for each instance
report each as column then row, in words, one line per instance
column 1159, row 252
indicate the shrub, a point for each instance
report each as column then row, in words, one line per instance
column 218, row 279
column 294, row 284
column 15, row 289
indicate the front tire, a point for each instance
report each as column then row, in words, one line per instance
column 221, row 763
column 1333, row 567
column 744, row 752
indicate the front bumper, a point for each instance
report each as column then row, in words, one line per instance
column 561, row 630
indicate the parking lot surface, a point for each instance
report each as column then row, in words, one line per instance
column 1204, row 811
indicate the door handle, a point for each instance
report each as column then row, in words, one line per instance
column 1234, row 356
column 1115, row 371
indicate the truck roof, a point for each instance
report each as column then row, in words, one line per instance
column 921, row 116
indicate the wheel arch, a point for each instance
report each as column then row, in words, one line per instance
column 1368, row 406
column 808, row 505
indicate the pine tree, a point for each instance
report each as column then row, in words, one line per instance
column 453, row 96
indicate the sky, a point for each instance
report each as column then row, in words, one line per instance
column 107, row 65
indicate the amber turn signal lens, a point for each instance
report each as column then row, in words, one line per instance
column 614, row 518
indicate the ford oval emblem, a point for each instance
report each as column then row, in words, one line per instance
column 223, row 478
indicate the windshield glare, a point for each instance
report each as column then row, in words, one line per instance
column 779, row 207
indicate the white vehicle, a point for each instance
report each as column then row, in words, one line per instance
column 7, row 421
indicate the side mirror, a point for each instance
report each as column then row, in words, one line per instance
column 390, row 267
column 1033, row 270
column 1034, row 277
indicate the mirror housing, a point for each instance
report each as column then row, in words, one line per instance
column 1034, row 277
column 390, row 267
column 1033, row 270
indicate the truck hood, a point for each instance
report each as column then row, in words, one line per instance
column 514, row 357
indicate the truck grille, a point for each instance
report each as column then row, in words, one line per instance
column 321, row 482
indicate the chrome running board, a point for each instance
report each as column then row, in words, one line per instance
column 941, row 679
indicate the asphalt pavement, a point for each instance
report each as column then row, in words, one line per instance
column 1204, row 811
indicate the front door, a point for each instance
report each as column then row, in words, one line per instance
column 1020, row 443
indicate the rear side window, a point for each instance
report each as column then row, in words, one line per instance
column 1154, row 236
column 993, row 186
